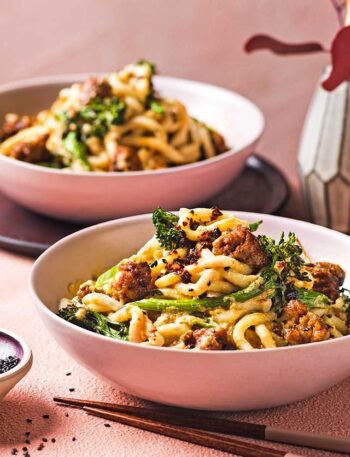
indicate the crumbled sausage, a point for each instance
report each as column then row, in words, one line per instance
column 206, row 239
column 133, row 283
column 303, row 326
column 328, row 277
column 31, row 152
column 13, row 123
column 125, row 159
column 219, row 142
column 93, row 88
column 85, row 289
column 241, row 244
column 294, row 310
column 206, row 339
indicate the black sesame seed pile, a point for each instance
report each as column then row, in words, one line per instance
column 8, row 363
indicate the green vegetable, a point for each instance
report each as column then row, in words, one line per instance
column 287, row 251
column 156, row 106
column 95, row 322
column 107, row 276
column 189, row 305
column 99, row 114
column 254, row 226
column 167, row 233
column 49, row 164
column 77, row 149
column 345, row 295
column 312, row 298
column 149, row 64
column 254, row 290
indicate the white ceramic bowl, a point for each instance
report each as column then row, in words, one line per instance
column 226, row 380
column 10, row 378
column 87, row 197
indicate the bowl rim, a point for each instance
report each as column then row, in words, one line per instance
column 25, row 360
column 68, row 78
column 141, row 217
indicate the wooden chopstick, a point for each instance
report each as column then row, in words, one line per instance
column 196, row 420
column 187, row 418
column 207, row 439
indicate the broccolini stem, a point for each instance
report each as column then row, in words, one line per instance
column 190, row 305
column 77, row 149
column 253, row 291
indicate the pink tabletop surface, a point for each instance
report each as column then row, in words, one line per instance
column 327, row 412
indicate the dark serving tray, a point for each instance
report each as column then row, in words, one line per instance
column 260, row 188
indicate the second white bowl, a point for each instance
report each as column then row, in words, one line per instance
column 96, row 196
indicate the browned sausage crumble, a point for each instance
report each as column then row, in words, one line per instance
column 206, row 339
column 13, row 123
column 328, row 277
column 125, row 159
column 303, row 326
column 134, row 282
column 242, row 245
column 31, row 152
column 93, row 88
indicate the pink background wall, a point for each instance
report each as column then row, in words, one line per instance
column 199, row 39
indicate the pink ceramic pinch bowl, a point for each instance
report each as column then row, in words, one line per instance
column 13, row 345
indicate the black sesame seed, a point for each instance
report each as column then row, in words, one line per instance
column 74, row 438
column 14, row 451
column 29, row 421
column 227, row 268
column 27, row 441
column 71, row 389
column 107, row 425
column 45, row 440
column 53, row 440
column 67, row 415
column 8, row 363
column 24, row 449
column 46, row 416
column 68, row 374
column 191, row 290
column 27, row 433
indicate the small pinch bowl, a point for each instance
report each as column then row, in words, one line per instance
column 212, row 380
column 98, row 196
column 10, row 378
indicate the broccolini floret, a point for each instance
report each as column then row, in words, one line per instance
column 97, row 117
column 167, row 232
column 95, row 322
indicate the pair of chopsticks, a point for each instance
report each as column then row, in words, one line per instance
column 189, row 426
